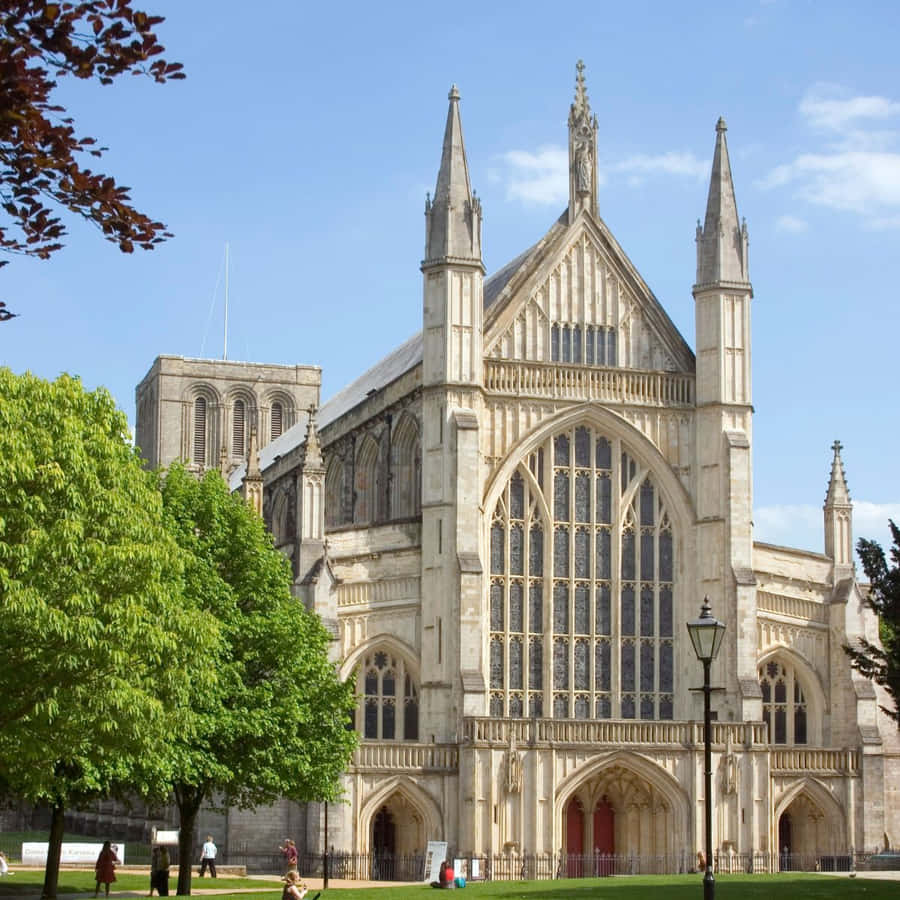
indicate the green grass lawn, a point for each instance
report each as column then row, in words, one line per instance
column 675, row 887
column 28, row 883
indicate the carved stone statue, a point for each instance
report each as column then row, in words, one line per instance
column 583, row 167
column 513, row 781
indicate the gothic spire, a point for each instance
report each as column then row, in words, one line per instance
column 722, row 241
column 252, row 482
column 838, row 492
column 453, row 217
column 582, row 150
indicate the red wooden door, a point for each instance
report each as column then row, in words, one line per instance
column 575, row 839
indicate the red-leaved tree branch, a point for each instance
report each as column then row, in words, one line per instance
column 41, row 155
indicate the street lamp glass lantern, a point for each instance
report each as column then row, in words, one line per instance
column 706, row 633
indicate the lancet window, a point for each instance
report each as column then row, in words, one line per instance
column 276, row 421
column 198, row 448
column 582, row 560
column 389, row 699
column 592, row 345
column 784, row 703
column 238, row 428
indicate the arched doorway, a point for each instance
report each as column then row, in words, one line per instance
column 784, row 842
column 383, row 833
column 604, row 827
column 574, row 848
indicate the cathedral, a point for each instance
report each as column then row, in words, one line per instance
column 506, row 525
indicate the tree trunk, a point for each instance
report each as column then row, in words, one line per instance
column 188, row 800
column 54, row 850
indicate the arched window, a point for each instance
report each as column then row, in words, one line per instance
column 581, row 607
column 390, row 699
column 406, row 476
column 336, row 479
column 365, row 486
column 277, row 420
column 784, row 703
column 198, row 452
column 238, row 428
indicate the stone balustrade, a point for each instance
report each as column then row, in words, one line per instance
column 610, row 731
column 405, row 757
column 795, row 607
column 634, row 387
column 386, row 590
column 815, row 759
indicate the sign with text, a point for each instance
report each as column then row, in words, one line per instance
column 170, row 838
column 34, row 853
column 435, row 854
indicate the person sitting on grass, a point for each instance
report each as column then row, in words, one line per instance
column 294, row 889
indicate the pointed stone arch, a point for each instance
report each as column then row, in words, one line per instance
column 810, row 682
column 365, row 481
column 387, row 687
column 818, row 821
column 400, row 791
column 406, row 469
column 652, row 812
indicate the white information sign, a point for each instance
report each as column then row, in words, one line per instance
column 35, row 853
column 435, row 854
column 169, row 838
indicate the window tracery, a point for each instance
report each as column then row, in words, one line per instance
column 389, row 699
column 784, row 703
column 599, row 622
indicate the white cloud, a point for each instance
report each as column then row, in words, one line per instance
column 791, row 225
column 801, row 525
column 827, row 107
column 671, row 163
column 858, row 171
column 542, row 177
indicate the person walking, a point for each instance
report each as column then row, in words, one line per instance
column 162, row 875
column 208, row 857
column 289, row 852
column 105, row 867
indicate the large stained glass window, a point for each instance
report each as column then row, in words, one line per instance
column 582, row 584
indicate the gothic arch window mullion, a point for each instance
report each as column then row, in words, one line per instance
column 615, row 601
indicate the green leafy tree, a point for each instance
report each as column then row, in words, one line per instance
column 97, row 647
column 274, row 723
column 882, row 664
column 40, row 153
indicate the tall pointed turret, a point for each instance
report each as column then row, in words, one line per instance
column 722, row 242
column 723, row 423
column 452, row 378
column 453, row 218
column 838, row 517
column 582, row 150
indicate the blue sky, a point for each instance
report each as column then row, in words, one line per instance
column 306, row 136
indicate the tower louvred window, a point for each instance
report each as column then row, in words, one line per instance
column 277, row 420
column 599, row 628
column 199, row 451
column 239, row 416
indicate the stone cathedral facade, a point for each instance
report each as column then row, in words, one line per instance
column 506, row 525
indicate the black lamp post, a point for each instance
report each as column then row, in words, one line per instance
column 706, row 636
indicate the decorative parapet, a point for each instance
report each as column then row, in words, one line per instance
column 387, row 590
column 794, row 607
column 634, row 387
column 405, row 757
column 609, row 731
column 810, row 759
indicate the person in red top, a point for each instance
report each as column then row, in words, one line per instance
column 105, row 867
column 289, row 852
column 450, row 883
